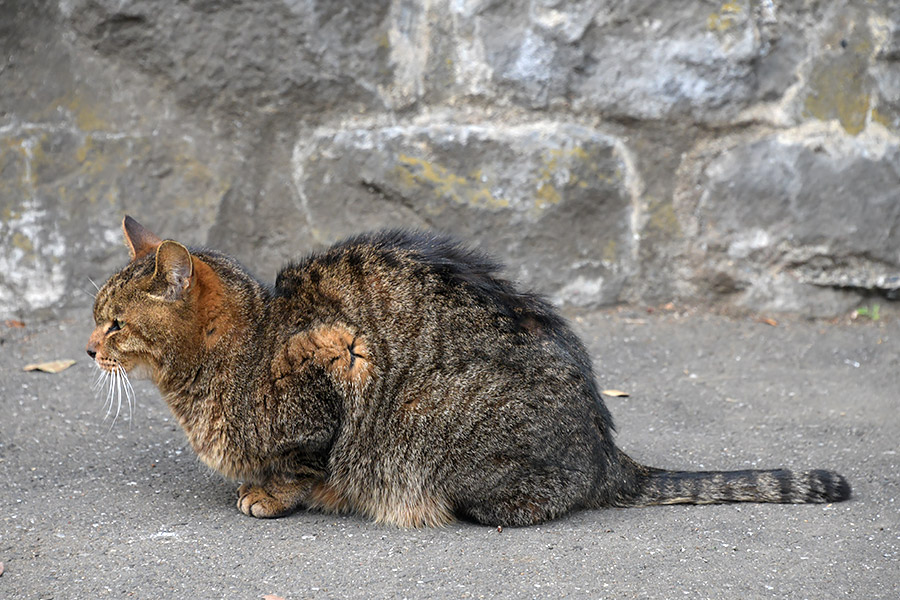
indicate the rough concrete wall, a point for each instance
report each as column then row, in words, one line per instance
column 634, row 151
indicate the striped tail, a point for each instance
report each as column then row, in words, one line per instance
column 657, row 486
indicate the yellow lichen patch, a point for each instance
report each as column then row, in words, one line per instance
column 82, row 152
column 90, row 157
column 726, row 18
column 87, row 120
column 442, row 179
column 548, row 176
column 661, row 219
column 610, row 253
column 404, row 177
column 547, row 194
column 22, row 242
column 81, row 109
column 839, row 84
column 569, row 168
column 576, row 152
column 839, row 90
column 13, row 144
column 415, row 172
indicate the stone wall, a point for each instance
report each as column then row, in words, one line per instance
column 745, row 153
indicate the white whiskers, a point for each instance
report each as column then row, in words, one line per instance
column 87, row 293
column 118, row 389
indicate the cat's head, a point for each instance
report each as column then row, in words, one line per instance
column 146, row 315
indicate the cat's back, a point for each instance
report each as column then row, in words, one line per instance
column 394, row 255
column 424, row 297
column 409, row 270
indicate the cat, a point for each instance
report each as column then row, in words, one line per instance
column 394, row 376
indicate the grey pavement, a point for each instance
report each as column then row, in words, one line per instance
column 92, row 509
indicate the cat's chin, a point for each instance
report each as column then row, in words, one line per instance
column 141, row 371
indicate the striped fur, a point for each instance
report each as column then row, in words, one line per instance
column 716, row 487
column 394, row 376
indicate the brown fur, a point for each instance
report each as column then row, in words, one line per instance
column 334, row 348
column 394, row 376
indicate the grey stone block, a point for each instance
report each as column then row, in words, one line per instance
column 801, row 208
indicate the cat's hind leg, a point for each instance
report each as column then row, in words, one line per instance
column 516, row 509
column 532, row 498
column 512, row 512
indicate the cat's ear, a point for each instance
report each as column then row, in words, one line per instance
column 140, row 241
column 174, row 269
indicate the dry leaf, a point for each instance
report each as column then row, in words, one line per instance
column 1, row 568
column 272, row 597
column 615, row 393
column 53, row 366
column 767, row 321
column 669, row 306
column 14, row 324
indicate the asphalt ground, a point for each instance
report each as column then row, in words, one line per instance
column 95, row 509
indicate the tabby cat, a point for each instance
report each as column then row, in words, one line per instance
column 394, row 376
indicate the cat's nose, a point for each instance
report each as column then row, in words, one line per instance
column 92, row 353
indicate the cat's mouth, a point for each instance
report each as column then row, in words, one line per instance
column 107, row 364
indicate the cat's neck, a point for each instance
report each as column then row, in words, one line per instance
column 229, row 321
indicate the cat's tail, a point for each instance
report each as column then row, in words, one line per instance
column 657, row 486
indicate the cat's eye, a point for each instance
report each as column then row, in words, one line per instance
column 116, row 326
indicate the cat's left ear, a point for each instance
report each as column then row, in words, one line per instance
column 174, row 270
column 140, row 241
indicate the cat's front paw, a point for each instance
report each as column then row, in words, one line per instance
column 255, row 501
